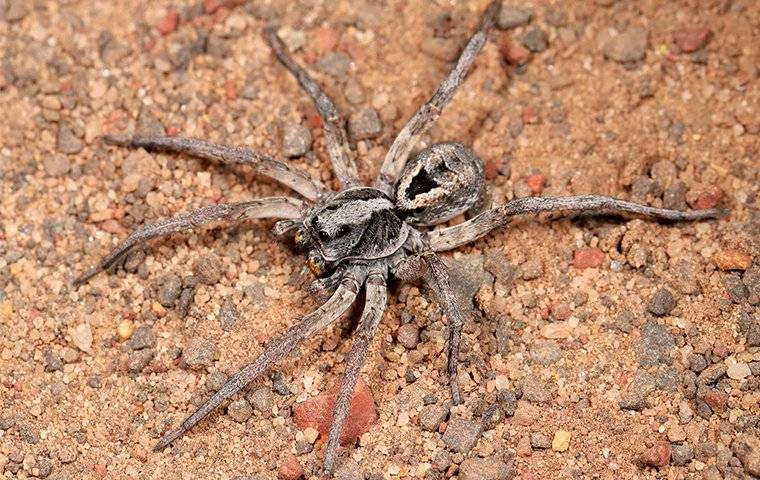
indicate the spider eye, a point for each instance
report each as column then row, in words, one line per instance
column 342, row 231
column 323, row 235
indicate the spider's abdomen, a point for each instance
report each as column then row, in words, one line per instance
column 439, row 183
column 359, row 223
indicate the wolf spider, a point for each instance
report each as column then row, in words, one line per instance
column 361, row 236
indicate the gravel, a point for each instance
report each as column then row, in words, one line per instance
column 208, row 269
column 262, row 400
column 535, row 40
column 364, row 124
column 655, row 344
column 546, row 353
column 532, row 269
column 431, row 416
column 139, row 359
column 334, row 64
column 215, row 380
column 53, row 362
column 67, row 142
column 462, row 434
column 169, row 289
column 488, row 468
column 635, row 395
column 296, row 140
column 661, row 303
column 512, row 17
column 228, row 314
column 627, row 47
column 56, row 165
column 144, row 337
column 408, row 335
column 540, row 441
column 199, row 354
column 240, row 410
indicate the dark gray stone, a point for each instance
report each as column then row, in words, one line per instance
column 364, row 124
column 143, row 337
column 635, row 396
column 228, row 314
column 661, row 303
column 653, row 348
column 462, row 434
column 535, row 40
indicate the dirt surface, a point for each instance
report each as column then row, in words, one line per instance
column 651, row 101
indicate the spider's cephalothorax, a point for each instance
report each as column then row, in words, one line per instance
column 360, row 236
column 356, row 224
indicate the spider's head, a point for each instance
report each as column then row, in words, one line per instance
column 359, row 223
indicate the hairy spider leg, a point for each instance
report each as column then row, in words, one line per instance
column 340, row 301
column 428, row 113
column 374, row 306
column 458, row 235
column 269, row 207
column 334, row 124
column 287, row 175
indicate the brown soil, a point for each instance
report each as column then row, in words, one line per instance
column 73, row 71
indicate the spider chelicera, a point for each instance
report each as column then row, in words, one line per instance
column 362, row 236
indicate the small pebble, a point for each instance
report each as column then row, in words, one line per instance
column 364, row 124
column 681, row 455
column 511, row 17
column 334, row 64
column 199, row 354
column 143, row 338
column 561, row 441
column 657, row 456
column 56, row 165
column 488, row 468
column 240, row 410
column 296, row 140
column 67, row 142
column 462, row 434
column 408, row 336
column 81, row 336
column 53, row 362
column 432, row 416
column 215, row 380
column 170, row 287
column 228, row 314
column 629, row 46
column 290, row 469
column 661, row 303
column 540, row 441
column 532, row 269
column 125, row 329
column 588, row 257
column 546, row 353
column 535, row 40
column 262, row 399
column 691, row 39
column 139, row 359
column 732, row 259
column 208, row 269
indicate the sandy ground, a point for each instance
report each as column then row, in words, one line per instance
column 574, row 350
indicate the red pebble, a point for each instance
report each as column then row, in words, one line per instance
column 514, row 53
column 529, row 115
column 290, row 469
column 657, row 456
column 169, row 23
column 325, row 39
column 588, row 257
column 717, row 400
column 318, row 413
column 536, row 183
column 492, row 170
column 705, row 199
column 691, row 39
